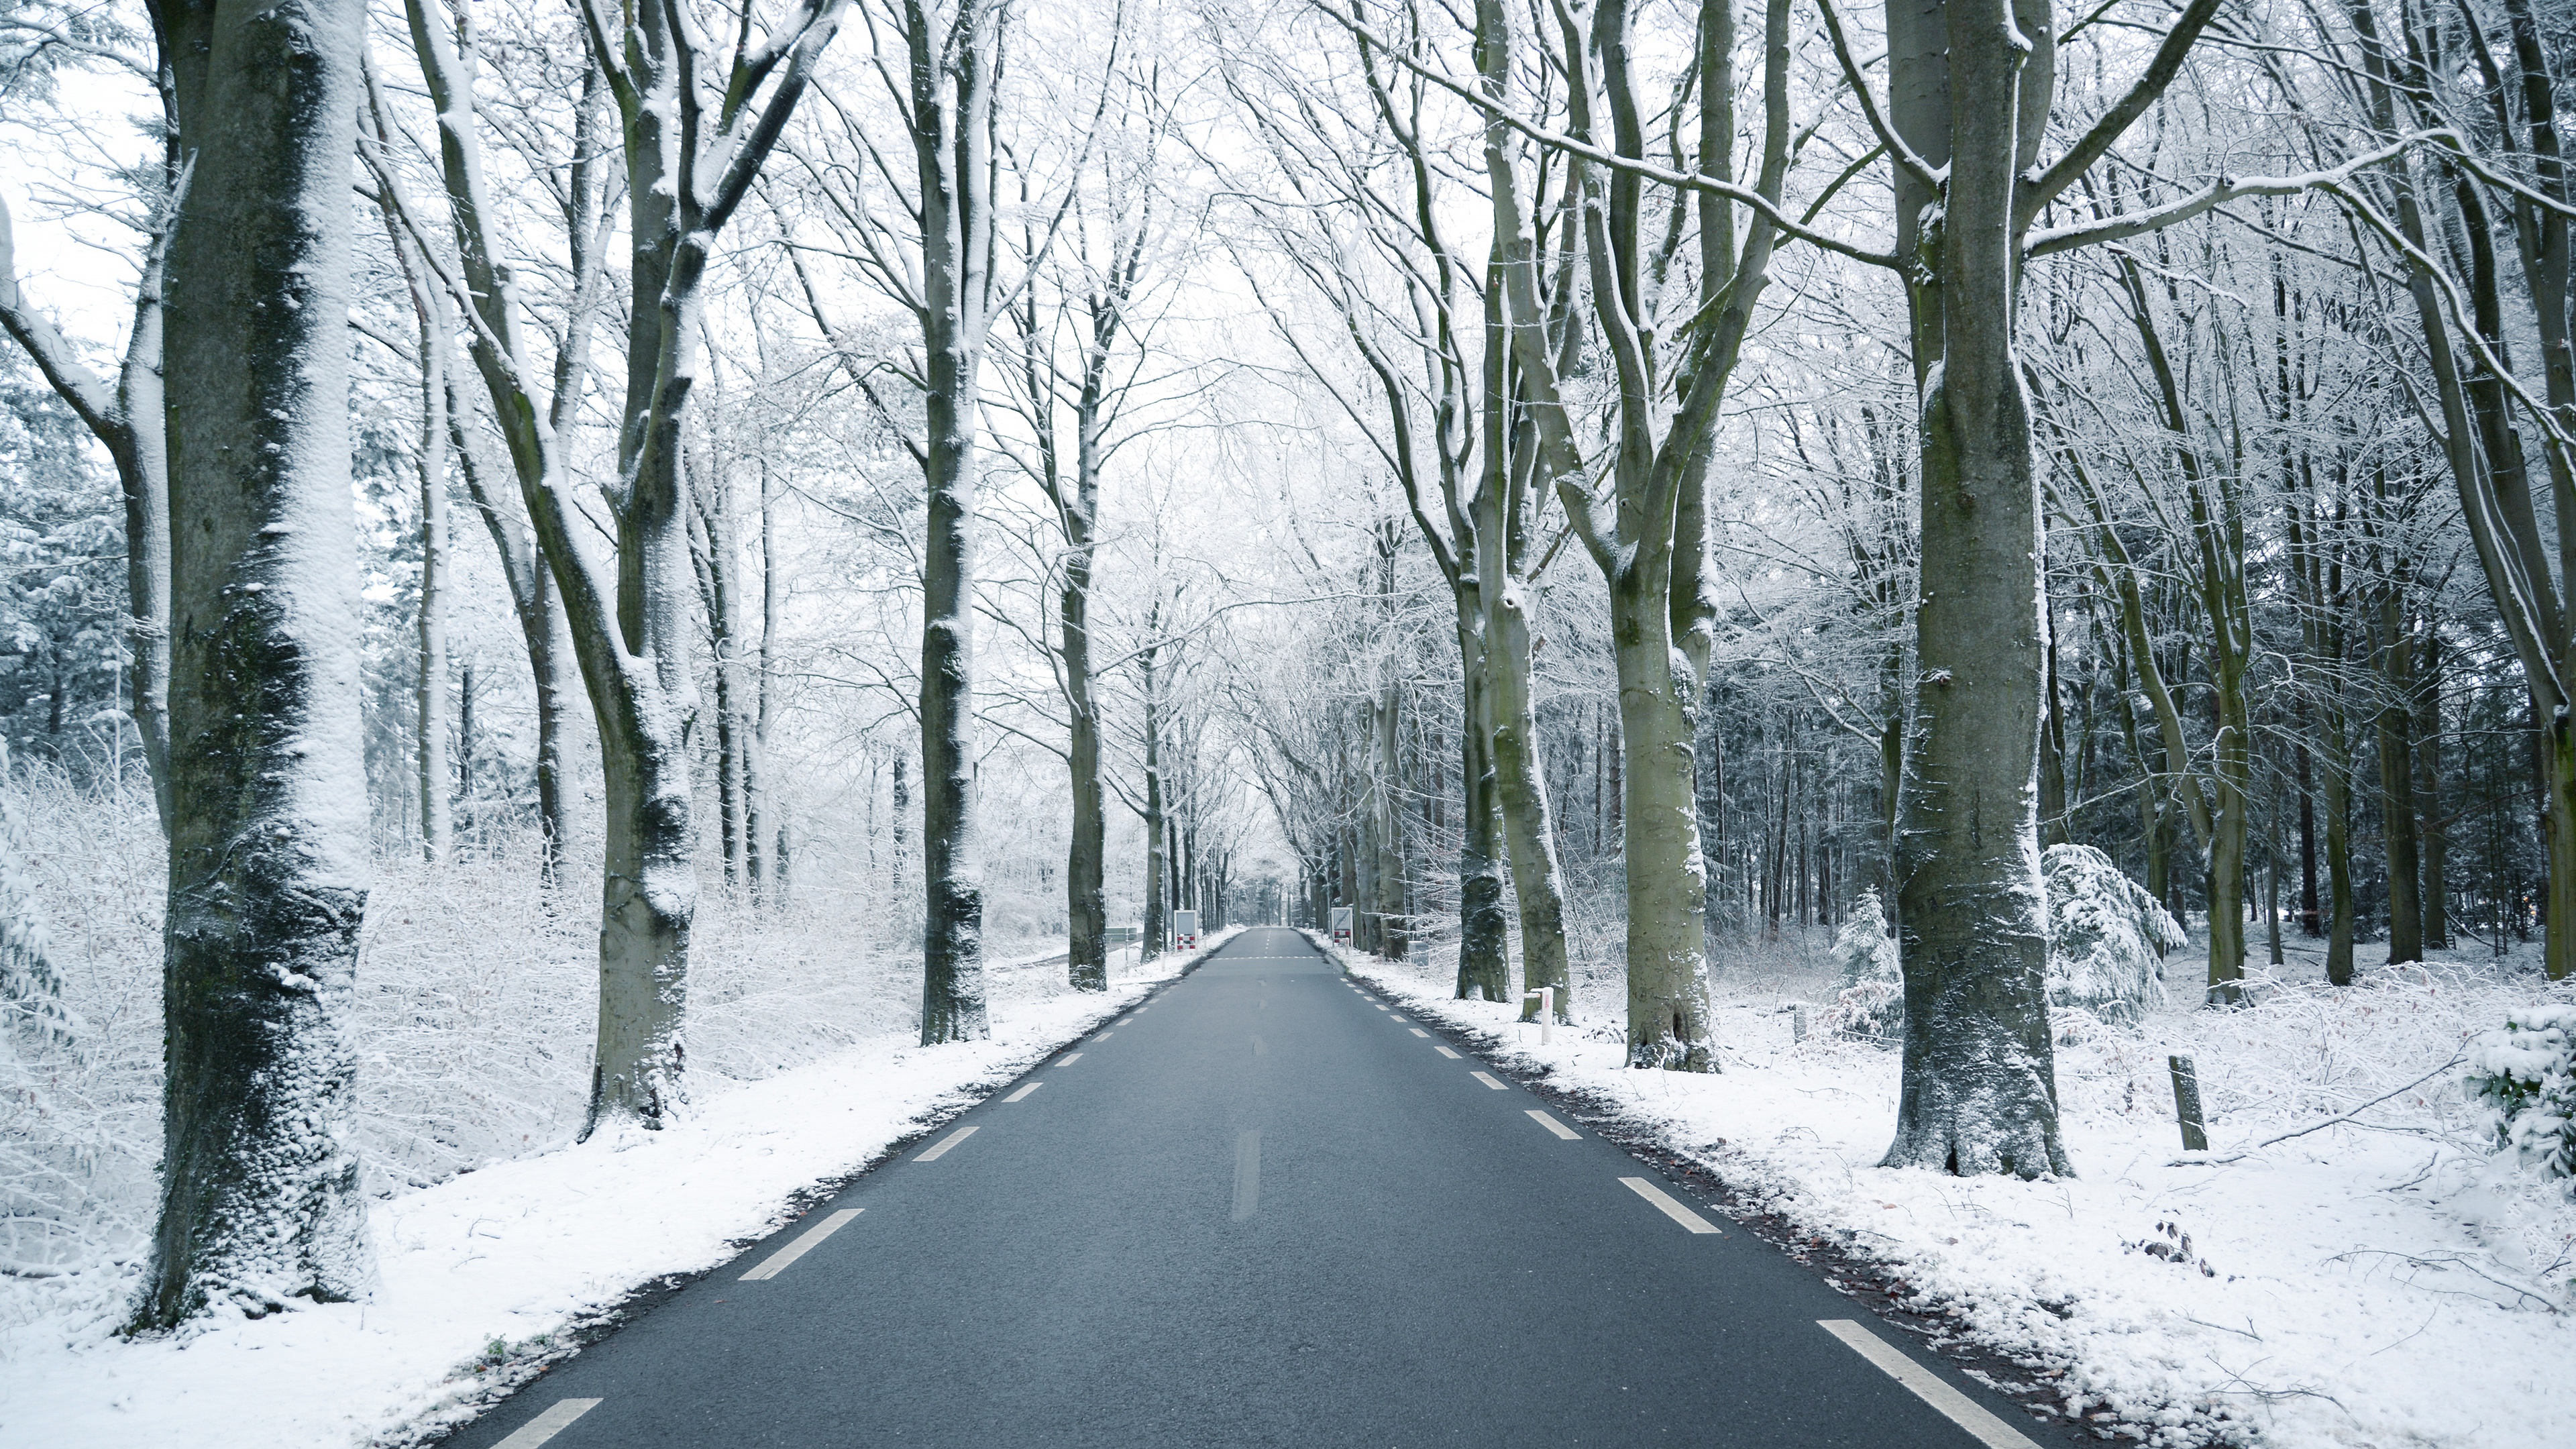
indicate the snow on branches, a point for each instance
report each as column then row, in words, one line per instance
column 2107, row 939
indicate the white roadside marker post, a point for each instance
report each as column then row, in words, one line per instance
column 1546, row 1013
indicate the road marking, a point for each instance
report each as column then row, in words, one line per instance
column 1417, row 1031
column 1444, row 1051
column 1130, row 1021
column 1104, row 1036
column 1553, row 1125
column 1670, row 1208
column 548, row 1424
column 1070, row 1059
column 951, row 1140
column 771, row 1266
column 1396, row 1018
column 1381, row 1008
column 1488, row 1080
column 1963, row 1411
column 1024, row 1091
column 1260, row 1048
column 1247, row 1174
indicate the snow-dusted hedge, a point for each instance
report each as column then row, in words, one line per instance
column 2527, row 1073
column 2106, row 943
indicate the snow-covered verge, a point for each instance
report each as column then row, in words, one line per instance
column 2391, row 1281
column 488, row 1275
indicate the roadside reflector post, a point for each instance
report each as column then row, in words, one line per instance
column 1797, row 1024
column 1546, row 1013
column 2186, row 1083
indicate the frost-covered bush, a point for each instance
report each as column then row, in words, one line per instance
column 2527, row 1073
column 1871, row 1002
column 2106, row 937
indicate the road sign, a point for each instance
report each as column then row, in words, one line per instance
column 1341, row 923
column 1185, row 930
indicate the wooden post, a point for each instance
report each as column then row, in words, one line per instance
column 1797, row 1024
column 2186, row 1085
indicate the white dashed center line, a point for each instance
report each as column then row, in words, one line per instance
column 1070, row 1059
column 1444, row 1051
column 1670, row 1207
column 771, row 1266
column 951, row 1140
column 548, row 1424
column 1024, row 1091
column 1553, row 1125
column 1488, row 1080
column 1417, row 1031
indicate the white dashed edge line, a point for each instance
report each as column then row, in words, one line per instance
column 553, row 1421
column 951, row 1140
column 1669, row 1206
column 771, row 1266
column 1963, row 1411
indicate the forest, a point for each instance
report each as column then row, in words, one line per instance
column 1864, row 584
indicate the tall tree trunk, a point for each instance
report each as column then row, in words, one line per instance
column 268, row 856
column 1395, row 922
column 2339, row 893
column 430, row 712
column 1980, row 1082
column 764, row 712
column 1157, row 921
column 2435, row 828
column 1086, row 899
column 953, row 70
column 1484, row 967
column 2397, row 779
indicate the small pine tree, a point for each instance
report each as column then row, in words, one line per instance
column 2107, row 937
column 1872, row 1000
column 2527, row 1073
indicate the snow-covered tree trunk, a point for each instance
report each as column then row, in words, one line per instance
column 268, row 853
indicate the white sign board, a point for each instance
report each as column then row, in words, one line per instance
column 1185, row 929
column 1341, row 923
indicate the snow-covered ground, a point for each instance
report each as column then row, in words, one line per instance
column 2388, row 1284
column 488, row 1275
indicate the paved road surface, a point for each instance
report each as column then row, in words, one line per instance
column 1262, row 1209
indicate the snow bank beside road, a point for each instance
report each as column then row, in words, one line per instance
column 488, row 1273
column 2385, row 1287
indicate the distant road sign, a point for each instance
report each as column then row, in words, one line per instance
column 1185, row 929
column 1341, row 923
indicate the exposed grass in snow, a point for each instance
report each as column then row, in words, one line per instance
column 2386, row 1282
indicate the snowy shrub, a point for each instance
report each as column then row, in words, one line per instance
column 2106, row 938
column 1871, row 1002
column 2527, row 1073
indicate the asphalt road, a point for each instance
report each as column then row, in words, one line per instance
column 1262, row 1209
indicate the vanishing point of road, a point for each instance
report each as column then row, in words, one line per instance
column 1262, row 1208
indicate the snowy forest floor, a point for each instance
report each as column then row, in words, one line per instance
column 2383, row 1283
column 500, row 1243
